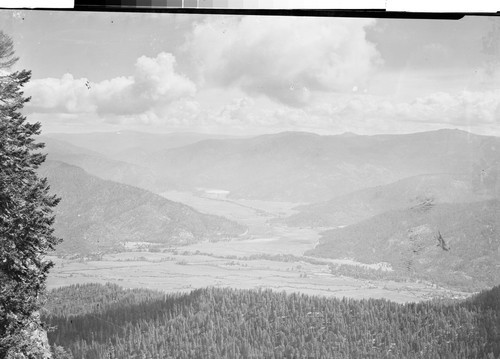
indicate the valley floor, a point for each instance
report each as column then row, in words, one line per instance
column 268, row 256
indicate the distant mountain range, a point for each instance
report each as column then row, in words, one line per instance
column 105, row 167
column 304, row 167
column 419, row 190
column 408, row 239
column 290, row 166
column 131, row 146
column 97, row 215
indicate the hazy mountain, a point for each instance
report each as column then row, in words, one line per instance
column 131, row 146
column 104, row 167
column 306, row 167
column 408, row 240
column 95, row 215
column 406, row 193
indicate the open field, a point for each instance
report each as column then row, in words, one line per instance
column 245, row 263
column 174, row 273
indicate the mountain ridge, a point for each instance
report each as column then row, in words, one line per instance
column 305, row 167
column 104, row 167
column 97, row 215
column 408, row 240
column 405, row 193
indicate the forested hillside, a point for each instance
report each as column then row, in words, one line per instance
column 95, row 216
column 408, row 239
column 95, row 321
column 403, row 194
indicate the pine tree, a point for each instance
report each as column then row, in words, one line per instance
column 26, row 219
column 60, row 353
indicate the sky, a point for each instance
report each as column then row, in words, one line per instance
column 245, row 75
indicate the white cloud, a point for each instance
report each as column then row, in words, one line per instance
column 360, row 113
column 336, row 113
column 477, row 111
column 287, row 59
column 154, row 86
column 321, row 76
column 467, row 108
column 64, row 95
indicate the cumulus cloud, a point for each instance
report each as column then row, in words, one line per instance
column 239, row 110
column 375, row 114
column 467, row 108
column 287, row 59
column 154, row 85
column 323, row 69
column 360, row 113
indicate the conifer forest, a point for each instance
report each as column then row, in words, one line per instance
column 105, row 321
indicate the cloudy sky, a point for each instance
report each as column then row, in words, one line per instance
column 252, row 75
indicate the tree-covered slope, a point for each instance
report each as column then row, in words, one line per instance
column 408, row 240
column 403, row 194
column 226, row 323
column 95, row 215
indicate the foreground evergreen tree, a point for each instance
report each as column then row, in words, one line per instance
column 26, row 233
